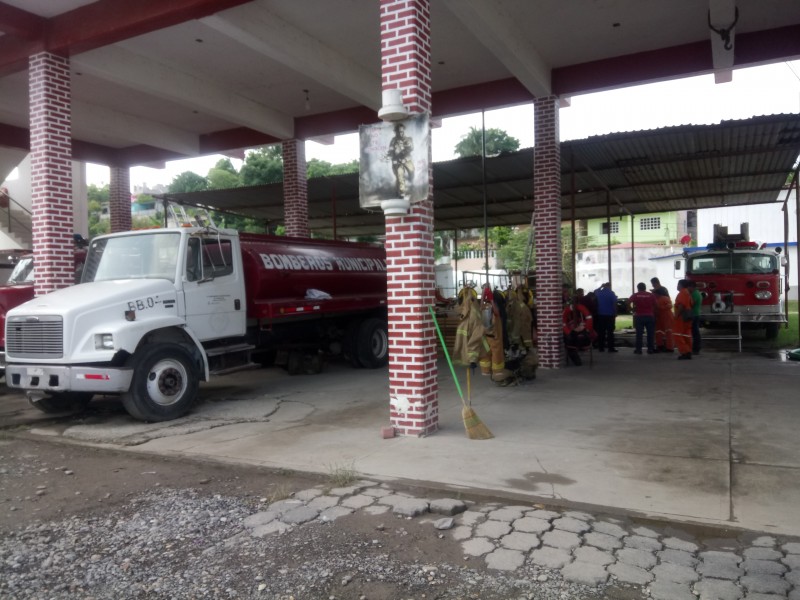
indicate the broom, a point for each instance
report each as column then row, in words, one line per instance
column 474, row 427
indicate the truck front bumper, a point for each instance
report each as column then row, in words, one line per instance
column 50, row 378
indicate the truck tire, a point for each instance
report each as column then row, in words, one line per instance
column 372, row 343
column 62, row 402
column 350, row 344
column 164, row 384
column 772, row 330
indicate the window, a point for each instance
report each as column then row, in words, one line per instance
column 612, row 225
column 650, row 223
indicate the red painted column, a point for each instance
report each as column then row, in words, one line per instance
column 295, row 188
column 547, row 230
column 51, row 171
column 413, row 386
column 119, row 199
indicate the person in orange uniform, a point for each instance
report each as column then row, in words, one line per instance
column 664, row 319
column 682, row 325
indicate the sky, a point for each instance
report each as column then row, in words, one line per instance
column 765, row 90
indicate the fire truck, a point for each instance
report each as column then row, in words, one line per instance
column 158, row 311
column 740, row 280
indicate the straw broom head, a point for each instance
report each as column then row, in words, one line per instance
column 475, row 428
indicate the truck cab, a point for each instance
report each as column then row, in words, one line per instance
column 148, row 303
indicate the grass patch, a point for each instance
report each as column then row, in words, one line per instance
column 281, row 492
column 339, row 476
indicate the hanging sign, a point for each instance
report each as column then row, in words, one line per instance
column 395, row 157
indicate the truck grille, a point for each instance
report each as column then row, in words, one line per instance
column 35, row 337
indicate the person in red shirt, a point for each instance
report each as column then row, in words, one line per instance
column 578, row 330
column 644, row 317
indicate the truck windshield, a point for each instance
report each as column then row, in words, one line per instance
column 740, row 263
column 152, row 256
column 22, row 273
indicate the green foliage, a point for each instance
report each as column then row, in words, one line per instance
column 321, row 168
column 512, row 254
column 262, row 166
column 500, row 236
column 188, row 182
column 220, row 179
column 96, row 194
column 497, row 141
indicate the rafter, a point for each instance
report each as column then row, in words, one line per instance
column 503, row 37
column 19, row 23
column 188, row 89
column 259, row 29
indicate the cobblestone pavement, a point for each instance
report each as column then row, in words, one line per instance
column 667, row 561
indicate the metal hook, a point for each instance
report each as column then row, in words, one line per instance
column 725, row 34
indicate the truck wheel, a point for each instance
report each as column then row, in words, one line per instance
column 372, row 343
column 772, row 330
column 350, row 344
column 294, row 364
column 63, row 402
column 164, row 384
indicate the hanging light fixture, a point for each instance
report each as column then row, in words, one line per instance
column 308, row 100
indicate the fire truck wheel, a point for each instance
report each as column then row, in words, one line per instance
column 373, row 343
column 350, row 344
column 164, row 384
column 772, row 330
column 63, row 402
column 294, row 363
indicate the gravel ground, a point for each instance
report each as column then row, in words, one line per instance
column 79, row 522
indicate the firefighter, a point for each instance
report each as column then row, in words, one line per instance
column 470, row 346
column 493, row 327
column 522, row 353
column 578, row 330
column 682, row 325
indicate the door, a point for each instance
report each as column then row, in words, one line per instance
column 213, row 288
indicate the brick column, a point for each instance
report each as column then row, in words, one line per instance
column 119, row 199
column 295, row 188
column 413, row 386
column 547, row 230
column 51, row 171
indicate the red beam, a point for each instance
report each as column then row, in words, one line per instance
column 232, row 139
column 105, row 22
column 473, row 98
column 15, row 137
column 108, row 21
column 19, row 23
column 753, row 48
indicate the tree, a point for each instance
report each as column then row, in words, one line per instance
column 97, row 202
column 512, row 254
column 321, row 168
column 497, row 141
column 188, row 182
column 262, row 166
column 223, row 176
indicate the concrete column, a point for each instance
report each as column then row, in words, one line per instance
column 295, row 188
column 547, row 231
column 119, row 199
column 413, row 386
column 51, row 171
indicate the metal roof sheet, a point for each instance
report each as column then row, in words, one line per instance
column 686, row 167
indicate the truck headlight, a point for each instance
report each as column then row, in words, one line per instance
column 763, row 295
column 104, row 341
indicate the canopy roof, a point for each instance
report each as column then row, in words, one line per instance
column 674, row 168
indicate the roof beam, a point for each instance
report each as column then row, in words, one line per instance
column 19, row 23
column 93, row 26
column 722, row 17
column 262, row 31
column 163, row 81
column 782, row 43
column 495, row 29
column 94, row 121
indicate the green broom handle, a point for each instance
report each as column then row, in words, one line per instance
column 446, row 354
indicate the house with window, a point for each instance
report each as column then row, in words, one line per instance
column 662, row 229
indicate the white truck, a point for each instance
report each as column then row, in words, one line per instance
column 157, row 311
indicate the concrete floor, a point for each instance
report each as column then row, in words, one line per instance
column 712, row 441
